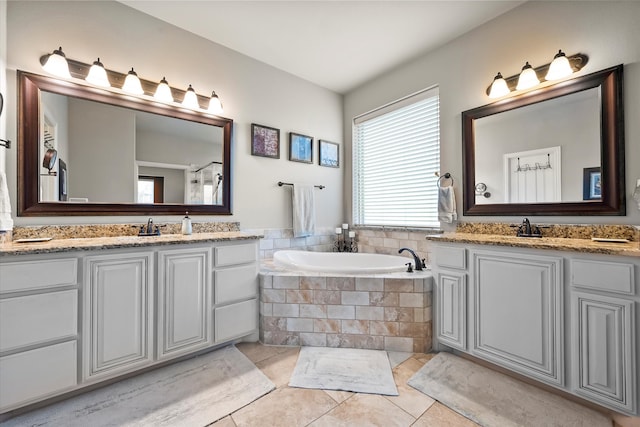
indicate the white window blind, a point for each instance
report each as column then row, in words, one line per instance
column 396, row 152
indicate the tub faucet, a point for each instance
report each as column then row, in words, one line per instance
column 419, row 262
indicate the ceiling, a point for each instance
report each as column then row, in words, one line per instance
column 335, row 44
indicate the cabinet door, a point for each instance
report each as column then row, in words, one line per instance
column 183, row 301
column 118, row 314
column 518, row 313
column 452, row 309
column 604, row 345
column 236, row 320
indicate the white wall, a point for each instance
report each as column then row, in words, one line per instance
column 251, row 92
column 608, row 32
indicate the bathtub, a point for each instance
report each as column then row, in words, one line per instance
column 340, row 262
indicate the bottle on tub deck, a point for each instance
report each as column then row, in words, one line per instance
column 186, row 224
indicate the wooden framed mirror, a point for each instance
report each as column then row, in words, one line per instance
column 529, row 155
column 111, row 144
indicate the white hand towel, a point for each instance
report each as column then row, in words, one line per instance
column 304, row 216
column 6, row 222
column 447, row 205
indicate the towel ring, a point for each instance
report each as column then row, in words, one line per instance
column 446, row 176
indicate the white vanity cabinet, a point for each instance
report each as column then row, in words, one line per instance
column 236, row 291
column 451, row 283
column 565, row 318
column 73, row 319
column 184, row 292
column 517, row 312
column 38, row 329
column 604, row 333
column 118, row 314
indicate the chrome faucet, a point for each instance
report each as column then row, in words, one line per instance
column 150, row 226
column 418, row 262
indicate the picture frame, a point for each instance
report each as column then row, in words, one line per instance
column 265, row 141
column 591, row 184
column 328, row 154
column 300, row 148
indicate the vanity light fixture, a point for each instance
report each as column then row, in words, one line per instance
column 559, row 67
column 499, row 87
column 163, row 91
column 56, row 63
column 190, row 99
column 215, row 106
column 98, row 75
column 528, row 78
column 132, row 83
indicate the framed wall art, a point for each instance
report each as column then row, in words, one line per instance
column 329, row 154
column 300, row 148
column 591, row 184
column 265, row 141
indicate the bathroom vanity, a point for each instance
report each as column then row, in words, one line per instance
column 560, row 311
column 76, row 312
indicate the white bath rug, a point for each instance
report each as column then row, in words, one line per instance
column 346, row 369
column 194, row 393
column 492, row 399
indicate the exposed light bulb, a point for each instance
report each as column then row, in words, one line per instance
column 215, row 106
column 498, row 87
column 56, row 63
column 190, row 99
column 559, row 67
column 528, row 78
column 163, row 91
column 98, row 75
column 132, row 83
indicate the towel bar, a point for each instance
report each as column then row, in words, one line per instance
column 280, row 184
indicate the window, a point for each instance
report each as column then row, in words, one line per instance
column 396, row 152
column 150, row 189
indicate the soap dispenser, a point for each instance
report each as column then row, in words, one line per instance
column 186, row 224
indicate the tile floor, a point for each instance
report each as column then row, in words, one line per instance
column 292, row 407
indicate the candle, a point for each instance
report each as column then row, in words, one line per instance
column 352, row 234
column 338, row 230
column 345, row 226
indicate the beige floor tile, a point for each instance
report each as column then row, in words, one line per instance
column 365, row 410
column 409, row 399
column 424, row 358
column 290, row 407
column 225, row 422
column 439, row 415
column 338, row 395
column 279, row 367
column 257, row 352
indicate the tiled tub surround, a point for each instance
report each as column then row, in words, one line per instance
column 282, row 238
column 383, row 312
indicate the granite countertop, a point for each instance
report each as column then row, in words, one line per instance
column 97, row 243
column 558, row 243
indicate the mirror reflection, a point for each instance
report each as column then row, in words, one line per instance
column 111, row 154
column 89, row 151
column 556, row 150
column 538, row 153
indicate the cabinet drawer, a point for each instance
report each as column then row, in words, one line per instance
column 27, row 275
column 606, row 276
column 235, row 283
column 37, row 373
column 37, row 318
column 236, row 254
column 235, row 320
column 451, row 257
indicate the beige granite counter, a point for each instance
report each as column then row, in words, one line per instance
column 115, row 242
column 557, row 243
